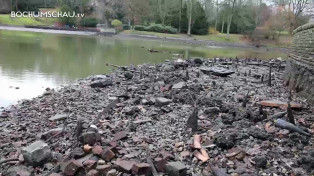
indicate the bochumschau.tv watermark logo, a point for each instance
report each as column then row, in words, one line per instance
column 48, row 14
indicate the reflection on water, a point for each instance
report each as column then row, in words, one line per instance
column 35, row 61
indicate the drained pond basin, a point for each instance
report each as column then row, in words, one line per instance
column 30, row 62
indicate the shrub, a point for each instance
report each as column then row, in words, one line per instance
column 126, row 27
column 171, row 30
column 116, row 23
column 89, row 22
column 139, row 28
column 67, row 20
column 156, row 28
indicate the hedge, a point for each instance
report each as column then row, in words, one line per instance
column 89, row 22
column 156, row 28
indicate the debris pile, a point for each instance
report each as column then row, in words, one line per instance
column 182, row 117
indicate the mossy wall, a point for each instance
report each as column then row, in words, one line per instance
column 299, row 73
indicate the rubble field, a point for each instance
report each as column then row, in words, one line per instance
column 182, row 117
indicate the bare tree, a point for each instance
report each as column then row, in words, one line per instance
column 293, row 9
column 231, row 11
column 180, row 16
column 189, row 12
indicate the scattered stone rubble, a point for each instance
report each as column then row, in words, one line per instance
column 134, row 121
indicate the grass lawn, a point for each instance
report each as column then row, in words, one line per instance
column 7, row 20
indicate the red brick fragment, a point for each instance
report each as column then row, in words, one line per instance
column 97, row 150
column 70, row 167
column 166, row 155
column 120, row 135
column 103, row 169
column 160, row 164
column 141, row 169
column 124, row 165
column 93, row 172
column 89, row 164
column 107, row 155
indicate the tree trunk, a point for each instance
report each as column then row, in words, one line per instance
column 223, row 24
column 180, row 16
column 216, row 20
column 16, row 5
column 190, row 18
column 228, row 25
column 230, row 16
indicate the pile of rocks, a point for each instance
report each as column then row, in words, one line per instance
column 134, row 121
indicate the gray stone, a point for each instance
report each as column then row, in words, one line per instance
column 212, row 110
column 91, row 138
column 128, row 75
column 160, row 101
column 71, row 167
column 50, row 133
column 144, row 102
column 37, row 153
column 101, row 83
column 112, row 172
column 225, row 140
column 179, row 85
column 168, row 68
column 18, row 170
column 176, row 169
column 260, row 161
column 58, row 117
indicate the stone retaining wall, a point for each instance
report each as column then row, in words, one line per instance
column 299, row 73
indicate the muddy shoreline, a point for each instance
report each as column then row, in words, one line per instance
column 87, row 32
column 110, row 123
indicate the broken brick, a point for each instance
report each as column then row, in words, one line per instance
column 124, row 165
column 166, row 155
column 160, row 164
column 70, row 167
column 97, row 150
column 89, row 164
column 185, row 154
column 107, row 155
column 103, row 169
column 120, row 135
column 93, row 172
column 141, row 169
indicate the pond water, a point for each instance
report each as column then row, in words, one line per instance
column 31, row 62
